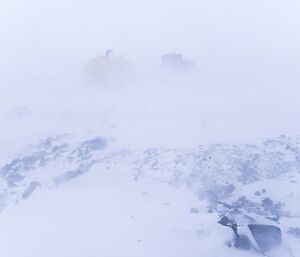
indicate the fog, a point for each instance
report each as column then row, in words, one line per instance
column 251, row 43
column 246, row 52
column 224, row 122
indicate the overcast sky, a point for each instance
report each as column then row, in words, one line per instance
column 234, row 40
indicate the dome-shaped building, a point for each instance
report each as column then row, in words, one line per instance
column 108, row 69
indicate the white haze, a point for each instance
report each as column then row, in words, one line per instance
column 244, row 89
column 246, row 52
column 234, row 42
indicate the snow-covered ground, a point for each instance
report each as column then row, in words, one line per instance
column 147, row 169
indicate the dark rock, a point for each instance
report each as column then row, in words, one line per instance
column 30, row 189
column 257, row 193
column 66, row 176
column 294, row 231
column 14, row 178
column 86, row 148
column 194, row 210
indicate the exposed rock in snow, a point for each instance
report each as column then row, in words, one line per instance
column 231, row 179
column 30, row 189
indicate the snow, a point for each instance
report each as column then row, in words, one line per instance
column 66, row 197
column 114, row 171
column 147, row 167
column 105, row 213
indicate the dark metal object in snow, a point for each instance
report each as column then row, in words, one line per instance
column 265, row 237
